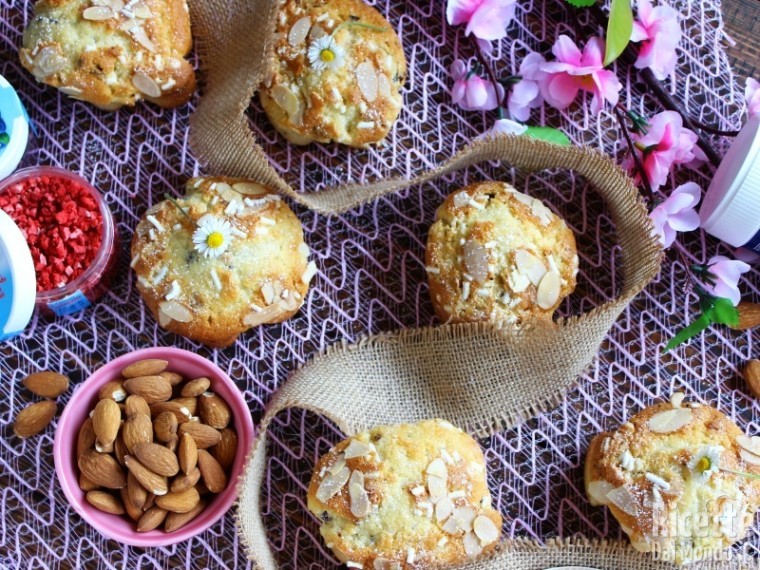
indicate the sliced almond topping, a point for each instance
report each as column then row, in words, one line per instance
column 340, row 463
column 266, row 315
column 436, row 487
column 267, row 290
column 48, row 61
column 358, row 495
column 485, row 530
column 518, row 282
column 146, row 85
column 331, row 485
column 530, row 265
column 676, row 399
column 437, row 468
column 366, row 78
column 548, row 290
column 451, row 526
column 249, row 188
column 751, row 444
column 524, row 198
column 175, row 311
column 141, row 37
column 670, row 420
column 128, row 25
column 475, row 259
column 299, row 31
column 748, row 457
column 287, row 101
column 543, row 213
column 356, row 449
column 98, row 13
column 624, row 500
column 443, row 509
column 597, row 492
column 464, row 517
column 383, row 86
column 472, row 545
column 140, row 10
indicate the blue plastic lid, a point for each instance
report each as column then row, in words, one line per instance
column 14, row 129
column 18, row 282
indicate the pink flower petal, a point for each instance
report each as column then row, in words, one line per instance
column 566, row 51
column 477, row 92
column 460, row 11
column 458, row 91
column 639, row 32
column 593, row 53
column 560, row 90
column 685, row 221
column 491, row 18
column 458, row 70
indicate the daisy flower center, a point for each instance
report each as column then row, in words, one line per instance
column 703, row 465
column 327, row 55
column 215, row 239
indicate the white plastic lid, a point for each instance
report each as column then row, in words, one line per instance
column 18, row 282
column 14, row 129
column 731, row 208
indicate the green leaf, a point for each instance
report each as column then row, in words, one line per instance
column 619, row 29
column 725, row 313
column 693, row 329
column 548, row 134
column 4, row 138
column 581, row 3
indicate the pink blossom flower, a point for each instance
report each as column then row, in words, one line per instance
column 526, row 94
column 658, row 31
column 666, row 143
column 727, row 273
column 752, row 97
column 504, row 127
column 676, row 213
column 486, row 19
column 575, row 71
column 473, row 93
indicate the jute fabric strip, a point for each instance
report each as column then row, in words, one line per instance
column 482, row 377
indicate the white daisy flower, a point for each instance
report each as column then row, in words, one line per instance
column 213, row 236
column 705, row 462
column 325, row 53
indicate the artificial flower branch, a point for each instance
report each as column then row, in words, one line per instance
column 637, row 161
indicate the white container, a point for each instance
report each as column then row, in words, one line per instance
column 14, row 129
column 18, row 282
column 731, row 208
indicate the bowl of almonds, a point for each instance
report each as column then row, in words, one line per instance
column 150, row 446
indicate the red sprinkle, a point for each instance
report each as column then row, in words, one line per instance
column 62, row 224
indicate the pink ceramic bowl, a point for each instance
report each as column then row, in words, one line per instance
column 82, row 402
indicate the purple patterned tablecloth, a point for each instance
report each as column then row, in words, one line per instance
column 371, row 279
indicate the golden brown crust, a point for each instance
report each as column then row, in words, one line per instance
column 261, row 278
column 354, row 102
column 648, row 474
column 489, row 252
column 111, row 53
column 401, row 528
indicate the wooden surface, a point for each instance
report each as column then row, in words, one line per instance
column 742, row 18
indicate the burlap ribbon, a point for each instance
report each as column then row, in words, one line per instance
column 482, row 377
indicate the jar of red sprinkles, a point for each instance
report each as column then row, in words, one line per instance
column 69, row 232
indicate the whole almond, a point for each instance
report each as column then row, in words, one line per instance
column 172, row 444
column 152, row 519
column 749, row 316
column 149, row 502
column 182, row 482
column 165, row 426
column 136, row 405
column 214, row 411
column 152, row 388
column 172, row 377
column 152, row 482
column 226, row 450
column 195, row 388
column 752, row 376
column 34, row 418
column 147, row 367
column 46, row 384
column 136, row 430
column 133, row 512
column 204, row 436
column 157, row 458
column 187, row 453
column 190, row 403
column 113, row 390
column 212, row 473
column 175, row 521
column 179, row 502
column 86, row 438
column 136, row 492
column 182, row 413
column 120, row 449
column 106, row 421
column 102, row 469
column 86, row 485
column 105, row 502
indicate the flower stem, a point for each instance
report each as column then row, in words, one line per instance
column 636, row 158
column 742, row 473
column 713, row 130
column 488, row 68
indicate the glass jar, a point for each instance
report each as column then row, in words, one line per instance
column 94, row 280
